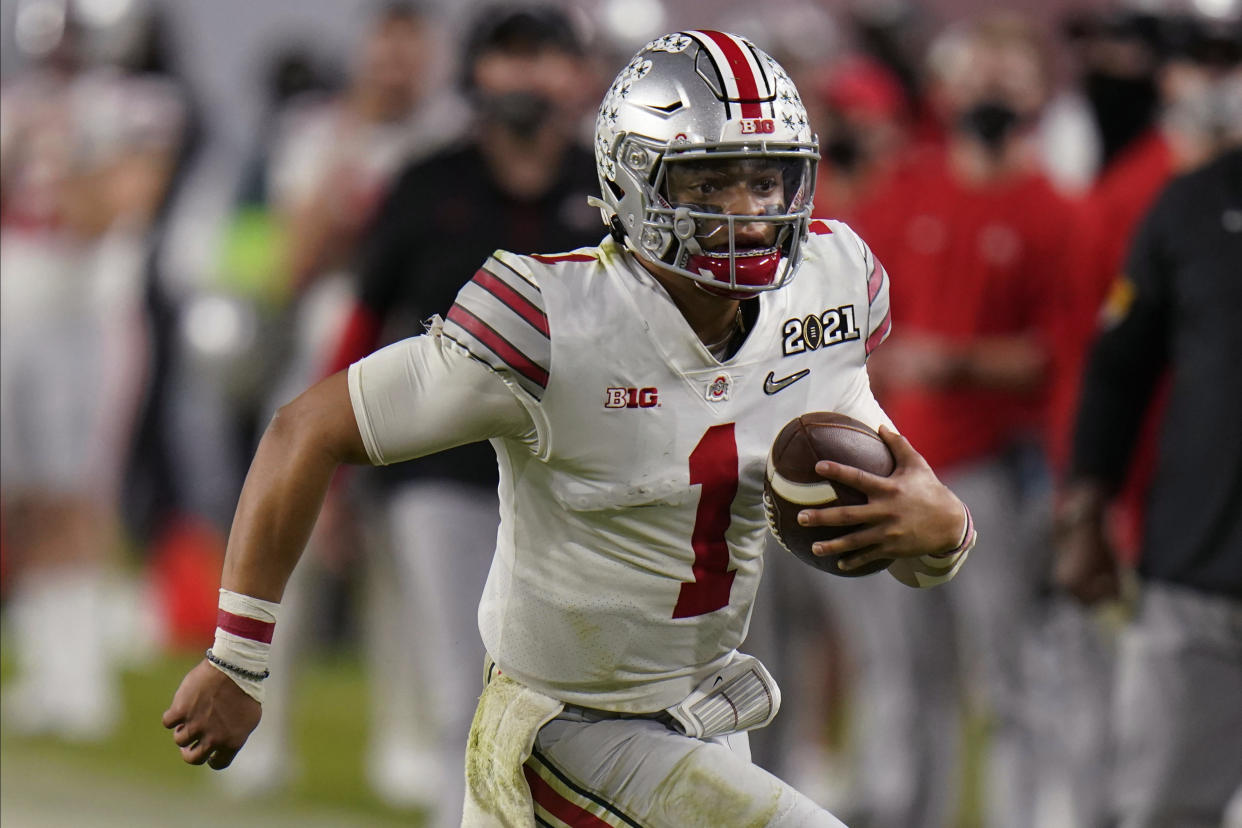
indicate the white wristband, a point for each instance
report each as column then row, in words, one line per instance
column 244, row 627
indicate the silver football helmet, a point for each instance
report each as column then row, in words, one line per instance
column 707, row 163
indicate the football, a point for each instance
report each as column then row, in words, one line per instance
column 791, row 483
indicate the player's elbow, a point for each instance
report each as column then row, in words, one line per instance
column 319, row 422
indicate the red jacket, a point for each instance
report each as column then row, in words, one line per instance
column 968, row 263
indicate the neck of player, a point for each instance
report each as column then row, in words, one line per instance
column 712, row 317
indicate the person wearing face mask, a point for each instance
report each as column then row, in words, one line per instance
column 518, row 181
column 1178, row 676
column 1172, row 315
column 1193, row 103
column 1120, row 52
column 863, row 117
column 977, row 234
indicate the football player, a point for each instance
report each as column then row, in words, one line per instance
column 631, row 392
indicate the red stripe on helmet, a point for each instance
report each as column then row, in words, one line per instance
column 743, row 75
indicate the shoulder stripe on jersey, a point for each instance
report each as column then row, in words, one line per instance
column 552, row 787
column 738, row 68
column 488, row 337
column 499, row 263
column 880, row 333
column 513, row 300
column 876, row 280
column 489, row 307
column 557, row 258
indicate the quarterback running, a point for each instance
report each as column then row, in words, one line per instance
column 631, row 392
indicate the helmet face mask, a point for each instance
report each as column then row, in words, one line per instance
column 707, row 163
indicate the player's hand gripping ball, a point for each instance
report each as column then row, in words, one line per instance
column 792, row 484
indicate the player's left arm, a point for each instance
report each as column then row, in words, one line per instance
column 909, row 516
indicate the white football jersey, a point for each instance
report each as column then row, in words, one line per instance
column 633, row 527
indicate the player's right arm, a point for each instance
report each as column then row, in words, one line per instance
column 288, row 478
column 210, row 715
column 410, row 399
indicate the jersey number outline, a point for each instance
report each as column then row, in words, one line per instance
column 713, row 464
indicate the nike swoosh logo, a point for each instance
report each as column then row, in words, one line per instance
column 771, row 384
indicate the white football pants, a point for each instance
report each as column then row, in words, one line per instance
column 627, row 772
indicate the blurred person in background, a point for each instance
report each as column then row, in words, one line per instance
column 1176, row 310
column 89, row 138
column 519, row 181
column 1118, row 51
column 975, row 236
column 199, row 411
column 864, row 125
column 1183, row 55
column 1182, row 58
column 330, row 161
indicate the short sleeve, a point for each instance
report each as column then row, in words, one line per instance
column 423, row 395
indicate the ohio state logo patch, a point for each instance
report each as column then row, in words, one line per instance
column 719, row 389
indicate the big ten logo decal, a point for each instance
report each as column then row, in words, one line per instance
column 631, row 398
column 832, row 327
column 757, row 126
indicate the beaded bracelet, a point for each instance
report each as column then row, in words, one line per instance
column 233, row 668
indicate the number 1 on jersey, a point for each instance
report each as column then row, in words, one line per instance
column 713, row 464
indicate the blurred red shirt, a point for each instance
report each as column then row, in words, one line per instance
column 968, row 263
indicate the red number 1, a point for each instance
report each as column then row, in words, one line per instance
column 713, row 463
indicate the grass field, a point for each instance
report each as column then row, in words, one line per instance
column 136, row 779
